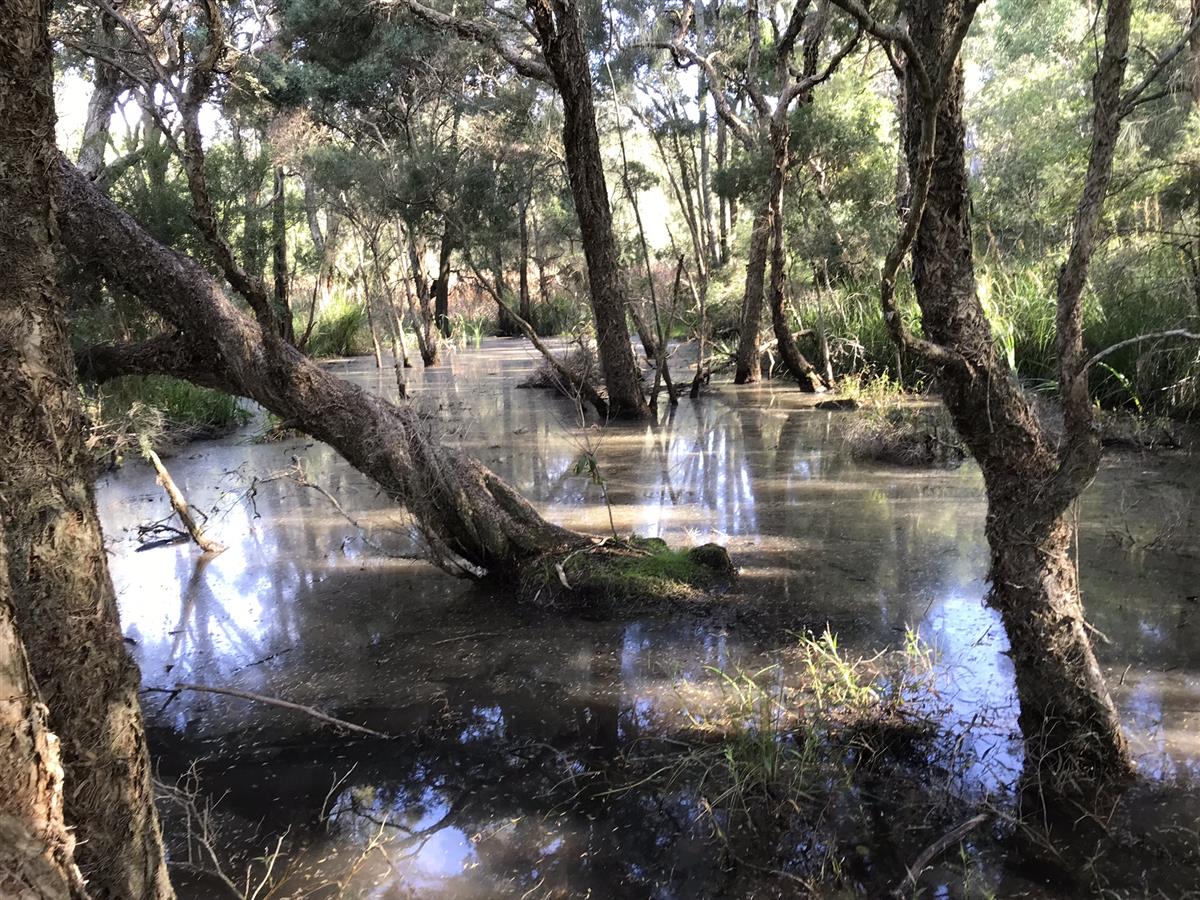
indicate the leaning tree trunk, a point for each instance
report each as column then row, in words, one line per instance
column 560, row 34
column 37, row 851
column 1068, row 720
column 748, row 368
column 464, row 510
column 58, row 570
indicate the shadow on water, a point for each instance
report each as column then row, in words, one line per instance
column 507, row 719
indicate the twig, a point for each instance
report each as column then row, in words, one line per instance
column 274, row 701
column 953, row 836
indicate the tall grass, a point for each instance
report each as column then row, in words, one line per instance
column 340, row 330
column 158, row 407
column 1134, row 290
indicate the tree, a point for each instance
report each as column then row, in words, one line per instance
column 1072, row 734
column 57, row 569
column 768, row 137
column 564, row 64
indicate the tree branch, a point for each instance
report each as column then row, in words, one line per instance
column 482, row 33
column 1152, row 336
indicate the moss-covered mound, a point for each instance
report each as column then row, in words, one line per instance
column 612, row 577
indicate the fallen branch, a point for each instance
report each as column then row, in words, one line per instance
column 1154, row 335
column 179, row 502
column 273, row 701
column 951, row 837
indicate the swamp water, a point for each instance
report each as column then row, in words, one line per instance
column 503, row 716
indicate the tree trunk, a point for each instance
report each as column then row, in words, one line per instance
column 560, row 34
column 748, row 367
column 61, row 590
column 724, row 224
column 526, row 301
column 37, row 852
column 279, row 263
column 466, row 513
column 441, row 287
column 106, row 87
column 704, row 175
column 427, row 341
column 1070, row 725
column 796, row 362
column 1194, row 52
column 504, row 322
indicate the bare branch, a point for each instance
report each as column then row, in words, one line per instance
column 274, row 701
column 480, row 32
column 1131, row 98
column 1152, row 336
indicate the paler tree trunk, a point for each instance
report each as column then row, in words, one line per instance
column 57, row 568
column 1068, row 720
column 748, row 367
column 560, row 34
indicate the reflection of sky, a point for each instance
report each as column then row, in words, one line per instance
column 300, row 606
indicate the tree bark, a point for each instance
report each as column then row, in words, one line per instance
column 1194, row 53
column 796, row 362
column 1068, row 720
column 748, row 366
column 526, row 301
column 37, row 851
column 560, row 35
column 467, row 514
column 427, row 341
column 106, row 87
column 279, row 262
column 441, row 287
column 61, row 590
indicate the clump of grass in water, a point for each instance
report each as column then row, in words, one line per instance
column 905, row 436
column 777, row 763
column 893, row 430
column 624, row 575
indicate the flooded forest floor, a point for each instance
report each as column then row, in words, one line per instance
column 538, row 754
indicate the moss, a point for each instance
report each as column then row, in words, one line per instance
column 629, row 575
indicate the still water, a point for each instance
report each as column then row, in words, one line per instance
column 500, row 714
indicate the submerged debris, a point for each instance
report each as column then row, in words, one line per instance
column 906, row 436
column 578, row 359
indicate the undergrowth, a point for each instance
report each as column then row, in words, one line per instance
column 167, row 410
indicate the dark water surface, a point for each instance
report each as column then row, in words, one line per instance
column 500, row 712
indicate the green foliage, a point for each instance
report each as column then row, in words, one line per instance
column 158, row 408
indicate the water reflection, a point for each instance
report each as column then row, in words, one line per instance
column 500, row 707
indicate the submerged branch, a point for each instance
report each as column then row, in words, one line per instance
column 273, row 701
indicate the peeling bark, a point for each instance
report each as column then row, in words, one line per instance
column 560, row 35
column 58, row 571
column 37, row 852
column 1071, row 729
